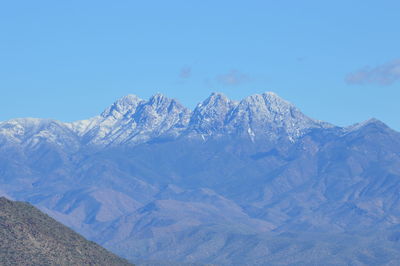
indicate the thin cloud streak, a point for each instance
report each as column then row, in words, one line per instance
column 233, row 77
column 185, row 72
column 385, row 74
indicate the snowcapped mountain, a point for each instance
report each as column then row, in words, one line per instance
column 131, row 120
column 252, row 181
column 260, row 115
column 210, row 116
column 30, row 132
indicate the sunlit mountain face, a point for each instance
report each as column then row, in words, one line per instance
column 248, row 182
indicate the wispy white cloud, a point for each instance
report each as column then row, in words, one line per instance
column 185, row 72
column 384, row 74
column 233, row 77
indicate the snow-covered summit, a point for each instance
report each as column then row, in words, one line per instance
column 35, row 131
column 210, row 116
column 256, row 116
column 132, row 120
column 268, row 114
column 122, row 106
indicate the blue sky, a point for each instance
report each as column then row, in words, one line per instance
column 338, row 61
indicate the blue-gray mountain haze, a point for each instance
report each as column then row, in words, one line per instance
column 254, row 182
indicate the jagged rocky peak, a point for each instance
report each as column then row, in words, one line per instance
column 259, row 115
column 269, row 114
column 215, row 99
column 266, row 104
column 122, row 106
column 258, row 109
column 162, row 104
column 162, row 111
column 131, row 120
column 159, row 98
column 210, row 115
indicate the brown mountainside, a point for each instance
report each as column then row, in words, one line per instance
column 30, row 237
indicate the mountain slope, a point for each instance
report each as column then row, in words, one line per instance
column 150, row 179
column 29, row 237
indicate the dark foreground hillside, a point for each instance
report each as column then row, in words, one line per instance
column 30, row 237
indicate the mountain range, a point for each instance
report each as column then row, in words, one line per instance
column 248, row 182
